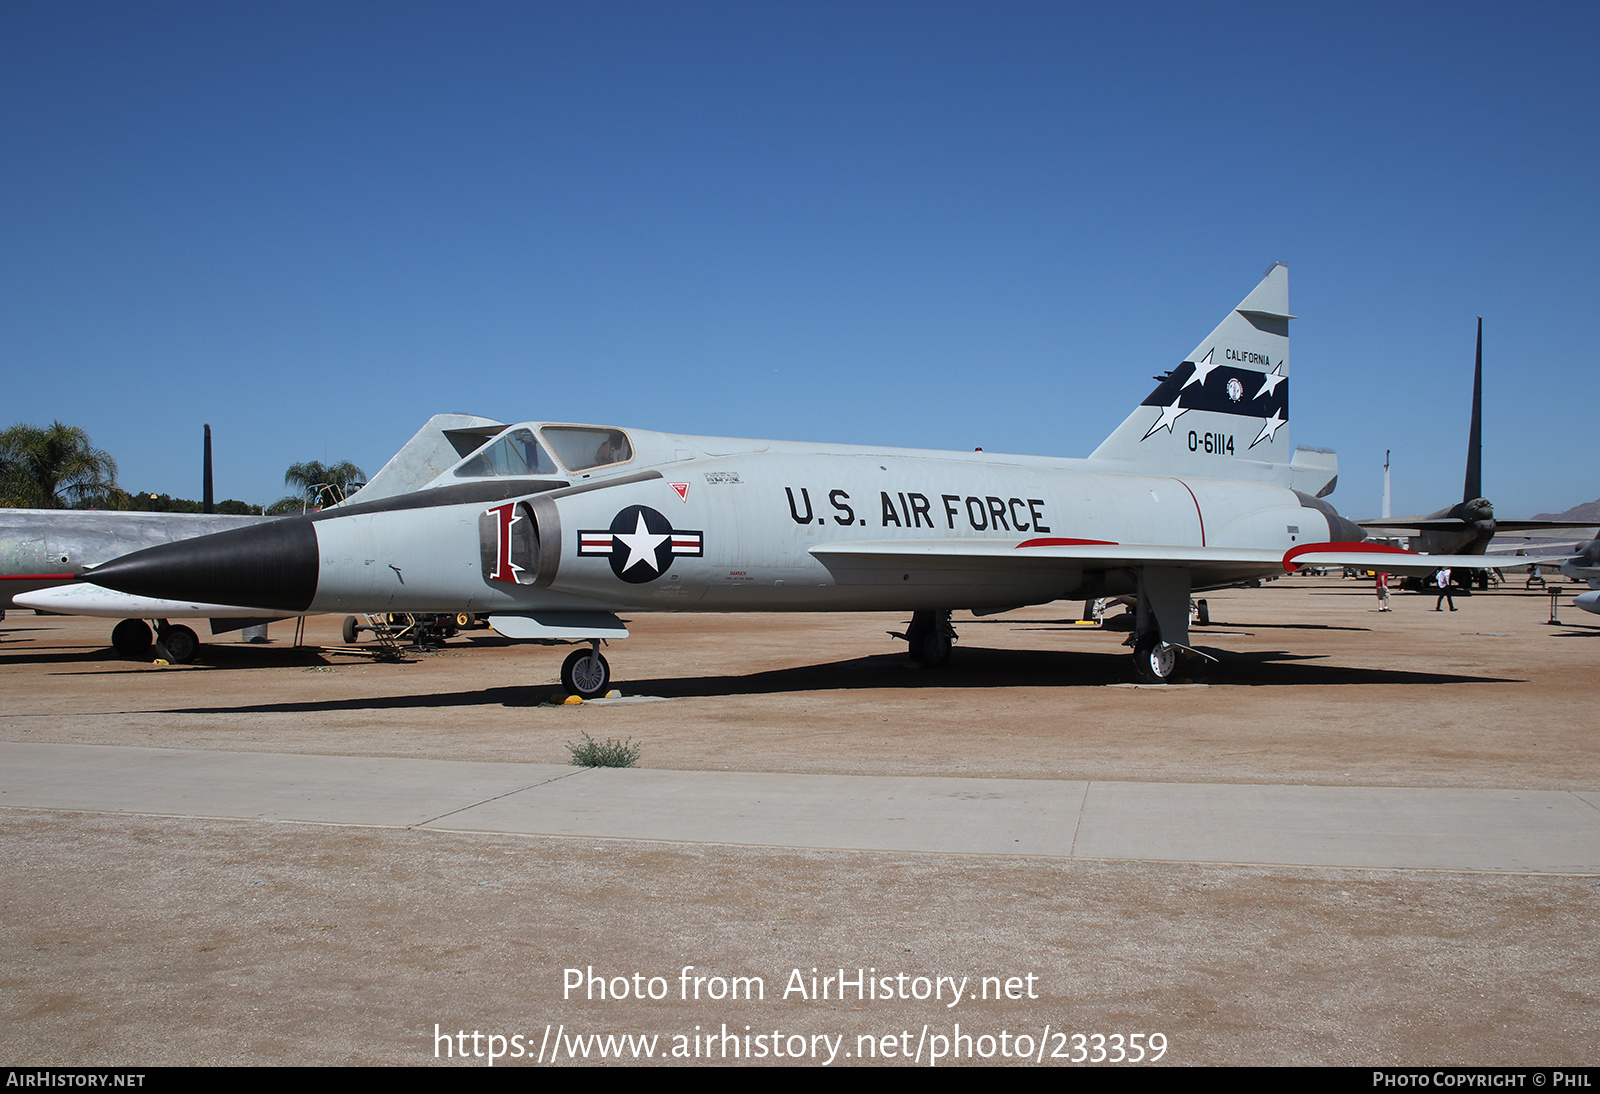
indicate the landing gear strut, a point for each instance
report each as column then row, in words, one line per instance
column 929, row 638
column 1161, row 627
column 585, row 673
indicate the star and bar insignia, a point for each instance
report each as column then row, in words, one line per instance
column 641, row 544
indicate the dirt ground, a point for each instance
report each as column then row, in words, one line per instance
column 133, row 940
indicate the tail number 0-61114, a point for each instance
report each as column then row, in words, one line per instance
column 1216, row 444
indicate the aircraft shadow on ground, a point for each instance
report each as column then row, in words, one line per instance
column 239, row 655
column 970, row 668
column 69, row 655
column 210, row 657
column 1280, row 627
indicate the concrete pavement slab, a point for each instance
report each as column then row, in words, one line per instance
column 1364, row 827
column 381, row 791
column 889, row 813
column 1513, row 830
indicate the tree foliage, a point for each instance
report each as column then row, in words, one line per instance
column 320, row 484
column 57, row 467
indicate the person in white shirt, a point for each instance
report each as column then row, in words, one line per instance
column 1442, row 579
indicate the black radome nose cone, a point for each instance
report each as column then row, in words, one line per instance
column 272, row 566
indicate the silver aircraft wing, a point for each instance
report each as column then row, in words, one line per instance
column 964, row 560
column 1456, row 524
column 1208, row 566
column 1047, row 553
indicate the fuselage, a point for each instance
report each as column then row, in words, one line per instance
column 712, row 524
column 1585, row 567
column 1477, row 528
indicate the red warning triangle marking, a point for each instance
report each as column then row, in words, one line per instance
column 681, row 488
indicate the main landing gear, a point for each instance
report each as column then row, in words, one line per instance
column 1154, row 661
column 181, row 643
column 132, row 638
column 585, row 673
column 928, row 638
column 1160, row 640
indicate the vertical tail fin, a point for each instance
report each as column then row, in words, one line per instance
column 206, row 503
column 1474, row 486
column 1227, row 401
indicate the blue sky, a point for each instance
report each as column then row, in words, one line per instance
column 939, row 225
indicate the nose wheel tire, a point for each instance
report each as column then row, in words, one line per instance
column 585, row 674
column 1154, row 663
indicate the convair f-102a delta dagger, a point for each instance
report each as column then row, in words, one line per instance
column 550, row 529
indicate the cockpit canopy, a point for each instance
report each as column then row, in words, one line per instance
column 519, row 453
column 582, row 447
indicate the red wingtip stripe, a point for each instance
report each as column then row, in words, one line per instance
column 1368, row 548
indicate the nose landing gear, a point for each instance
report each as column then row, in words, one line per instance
column 585, row 673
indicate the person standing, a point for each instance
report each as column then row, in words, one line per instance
column 1381, row 585
column 1442, row 579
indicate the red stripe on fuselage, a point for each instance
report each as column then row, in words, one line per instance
column 1196, row 511
column 1066, row 543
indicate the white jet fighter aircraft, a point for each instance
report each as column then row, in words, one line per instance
column 1584, row 566
column 552, row 529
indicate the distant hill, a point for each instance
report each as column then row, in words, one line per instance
column 1589, row 510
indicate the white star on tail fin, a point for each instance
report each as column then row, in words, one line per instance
column 1169, row 414
column 1271, row 380
column 1269, row 429
column 1201, row 371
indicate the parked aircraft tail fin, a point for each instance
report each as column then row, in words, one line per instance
column 1224, row 411
column 1474, row 483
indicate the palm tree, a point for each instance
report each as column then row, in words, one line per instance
column 320, row 484
column 54, row 468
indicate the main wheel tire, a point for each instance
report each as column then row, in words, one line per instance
column 351, row 630
column 1154, row 663
column 182, row 644
column 585, row 674
column 934, row 649
column 917, row 636
column 131, row 638
column 928, row 639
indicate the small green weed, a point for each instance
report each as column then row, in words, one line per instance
column 610, row 753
